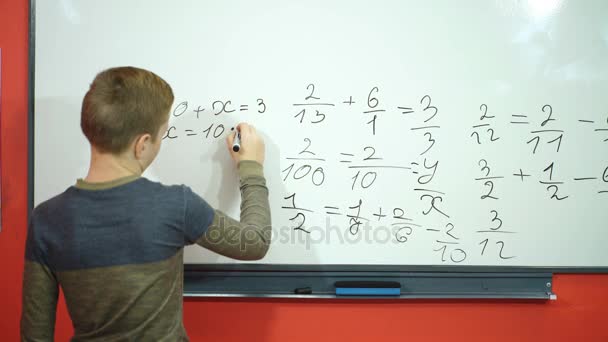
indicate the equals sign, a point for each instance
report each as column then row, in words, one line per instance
column 190, row 132
column 414, row 164
column 519, row 119
column 244, row 108
column 329, row 212
column 348, row 155
column 406, row 110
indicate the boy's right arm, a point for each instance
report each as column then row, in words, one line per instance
column 248, row 239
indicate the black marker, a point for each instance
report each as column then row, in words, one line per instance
column 303, row 290
column 236, row 145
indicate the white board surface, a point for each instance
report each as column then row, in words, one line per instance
column 407, row 132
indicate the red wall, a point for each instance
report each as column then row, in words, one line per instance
column 581, row 310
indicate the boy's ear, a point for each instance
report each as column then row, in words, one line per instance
column 141, row 143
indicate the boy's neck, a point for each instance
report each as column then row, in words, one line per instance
column 106, row 167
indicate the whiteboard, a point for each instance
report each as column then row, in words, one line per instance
column 397, row 132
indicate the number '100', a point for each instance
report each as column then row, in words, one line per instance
column 317, row 176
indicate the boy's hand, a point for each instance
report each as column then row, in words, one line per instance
column 252, row 145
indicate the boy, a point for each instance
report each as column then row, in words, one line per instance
column 114, row 241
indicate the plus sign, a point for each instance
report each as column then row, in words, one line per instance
column 350, row 101
column 521, row 175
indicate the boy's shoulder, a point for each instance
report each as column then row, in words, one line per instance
column 74, row 195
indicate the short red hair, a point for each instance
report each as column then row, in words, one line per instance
column 123, row 103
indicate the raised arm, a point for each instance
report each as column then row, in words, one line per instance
column 249, row 238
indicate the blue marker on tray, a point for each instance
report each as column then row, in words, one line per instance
column 368, row 288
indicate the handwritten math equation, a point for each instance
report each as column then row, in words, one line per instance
column 431, row 220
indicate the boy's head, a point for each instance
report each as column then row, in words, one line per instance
column 126, row 109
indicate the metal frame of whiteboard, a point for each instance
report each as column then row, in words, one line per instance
column 229, row 272
column 414, row 285
column 418, row 282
